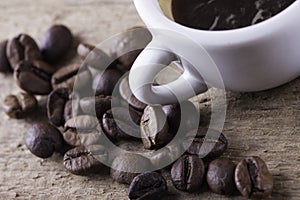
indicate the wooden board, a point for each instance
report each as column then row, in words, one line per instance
column 265, row 123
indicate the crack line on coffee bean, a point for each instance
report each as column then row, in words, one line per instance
column 41, row 73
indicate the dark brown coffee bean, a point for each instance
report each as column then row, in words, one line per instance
column 81, row 160
column 154, row 128
column 20, row 105
column 71, row 109
column 130, row 45
column 188, row 173
column 105, row 82
column 22, row 47
column 127, row 95
column 4, row 63
column 220, row 176
column 94, row 57
column 195, row 139
column 56, row 42
column 96, row 105
column 43, row 140
column 66, row 77
column 34, row 77
column 117, row 124
column 56, row 105
column 190, row 116
column 173, row 113
column 83, row 130
column 253, row 179
column 125, row 167
column 136, row 115
column 149, row 185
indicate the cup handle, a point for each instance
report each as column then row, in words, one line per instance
column 149, row 63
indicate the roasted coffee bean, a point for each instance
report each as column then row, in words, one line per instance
column 4, row 63
column 18, row 106
column 117, row 124
column 127, row 95
column 34, row 77
column 71, row 109
column 190, row 116
column 94, row 57
column 135, row 115
column 43, row 140
column 105, row 82
column 130, row 45
column 220, row 176
column 253, row 179
column 96, row 105
column 149, row 185
column 83, row 161
column 125, row 167
column 56, row 105
column 22, row 47
column 173, row 113
column 66, row 77
column 188, row 173
column 56, row 42
column 83, row 130
column 215, row 143
column 165, row 156
column 154, row 128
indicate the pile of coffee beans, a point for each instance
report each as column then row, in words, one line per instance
column 90, row 105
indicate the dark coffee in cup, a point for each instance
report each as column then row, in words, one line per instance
column 225, row 14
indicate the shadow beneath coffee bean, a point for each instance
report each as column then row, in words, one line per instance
column 278, row 191
column 39, row 114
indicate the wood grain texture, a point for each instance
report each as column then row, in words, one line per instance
column 264, row 123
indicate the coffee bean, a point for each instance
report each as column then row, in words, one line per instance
column 127, row 95
column 149, row 185
column 66, row 77
column 71, row 109
column 188, row 173
column 82, row 161
column 125, row 167
column 190, row 116
column 105, row 82
column 173, row 114
column 118, row 125
column 34, row 77
column 56, row 105
column 56, row 42
column 96, row 105
column 18, row 106
column 135, row 115
column 83, row 130
column 43, row 139
column 94, row 57
column 215, row 143
column 130, row 45
column 4, row 63
column 154, row 128
column 220, row 176
column 253, row 178
column 22, row 47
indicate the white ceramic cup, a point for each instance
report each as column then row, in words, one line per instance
column 254, row 58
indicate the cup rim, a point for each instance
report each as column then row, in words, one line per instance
column 153, row 16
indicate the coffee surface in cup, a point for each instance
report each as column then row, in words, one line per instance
column 225, row 14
